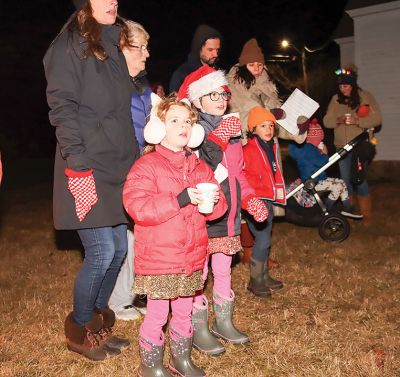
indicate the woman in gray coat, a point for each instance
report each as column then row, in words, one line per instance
column 89, row 93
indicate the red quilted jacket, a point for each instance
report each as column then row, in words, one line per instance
column 168, row 239
column 258, row 172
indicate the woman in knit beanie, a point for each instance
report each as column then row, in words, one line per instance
column 250, row 83
column 251, row 86
column 352, row 111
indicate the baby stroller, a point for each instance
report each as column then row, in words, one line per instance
column 332, row 226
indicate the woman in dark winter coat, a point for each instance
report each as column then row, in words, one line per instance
column 89, row 94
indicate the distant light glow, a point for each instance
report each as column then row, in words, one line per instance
column 285, row 43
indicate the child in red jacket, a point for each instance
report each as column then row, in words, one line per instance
column 170, row 234
column 262, row 170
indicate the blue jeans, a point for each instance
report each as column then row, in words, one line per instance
column 345, row 174
column 262, row 234
column 105, row 249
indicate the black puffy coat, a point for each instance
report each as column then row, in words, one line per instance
column 89, row 104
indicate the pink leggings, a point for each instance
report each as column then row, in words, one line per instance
column 157, row 316
column 221, row 269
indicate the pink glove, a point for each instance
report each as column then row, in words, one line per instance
column 256, row 208
column 83, row 188
column 228, row 128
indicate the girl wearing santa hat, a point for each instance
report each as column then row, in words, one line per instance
column 222, row 149
column 170, row 234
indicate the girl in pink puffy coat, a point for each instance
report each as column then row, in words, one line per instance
column 170, row 234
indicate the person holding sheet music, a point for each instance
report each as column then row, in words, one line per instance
column 251, row 86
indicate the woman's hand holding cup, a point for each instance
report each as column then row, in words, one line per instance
column 350, row 119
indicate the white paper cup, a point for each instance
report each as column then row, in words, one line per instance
column 208, row 191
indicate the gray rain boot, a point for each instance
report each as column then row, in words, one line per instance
column 223, row 326
column 180, row 361
column 151, row 357
column 257, row 284
column 269, row 281
column 203, row 340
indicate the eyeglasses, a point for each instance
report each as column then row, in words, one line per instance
column 215, row 96
column 142, row 48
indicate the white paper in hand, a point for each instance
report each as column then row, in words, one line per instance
column 296, row 105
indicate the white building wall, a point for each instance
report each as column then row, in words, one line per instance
column 377, row 56
column 346, row 50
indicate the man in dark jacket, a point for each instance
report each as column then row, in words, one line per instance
column 205, row 49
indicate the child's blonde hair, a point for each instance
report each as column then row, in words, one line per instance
column 162, row 109
column 172, row 100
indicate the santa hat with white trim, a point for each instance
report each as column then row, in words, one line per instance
column 201, row 82
column 154, row 131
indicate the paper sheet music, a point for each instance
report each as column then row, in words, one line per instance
column 296, row 105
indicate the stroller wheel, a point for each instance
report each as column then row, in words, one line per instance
column 334, row 228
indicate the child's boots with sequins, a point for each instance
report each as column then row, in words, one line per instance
column 223, row 326
column 203, row 340
column 151, row 356
column 180, row 361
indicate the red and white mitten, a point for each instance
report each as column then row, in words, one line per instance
column 229, row 127
column 256, row 208
column 83, row 188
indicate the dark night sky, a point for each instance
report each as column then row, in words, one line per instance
column 28, row 26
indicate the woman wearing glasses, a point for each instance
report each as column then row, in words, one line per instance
column 136, row 53
column 222, row 149
column 125, row 304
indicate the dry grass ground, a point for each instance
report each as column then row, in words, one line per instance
column 338, row 315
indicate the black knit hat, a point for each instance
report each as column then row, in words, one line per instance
column 347, row 76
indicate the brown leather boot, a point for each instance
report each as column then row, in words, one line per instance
column 365, row 208
column 85, row 340
column 112, row 341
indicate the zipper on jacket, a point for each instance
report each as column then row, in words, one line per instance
column 265, row 163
